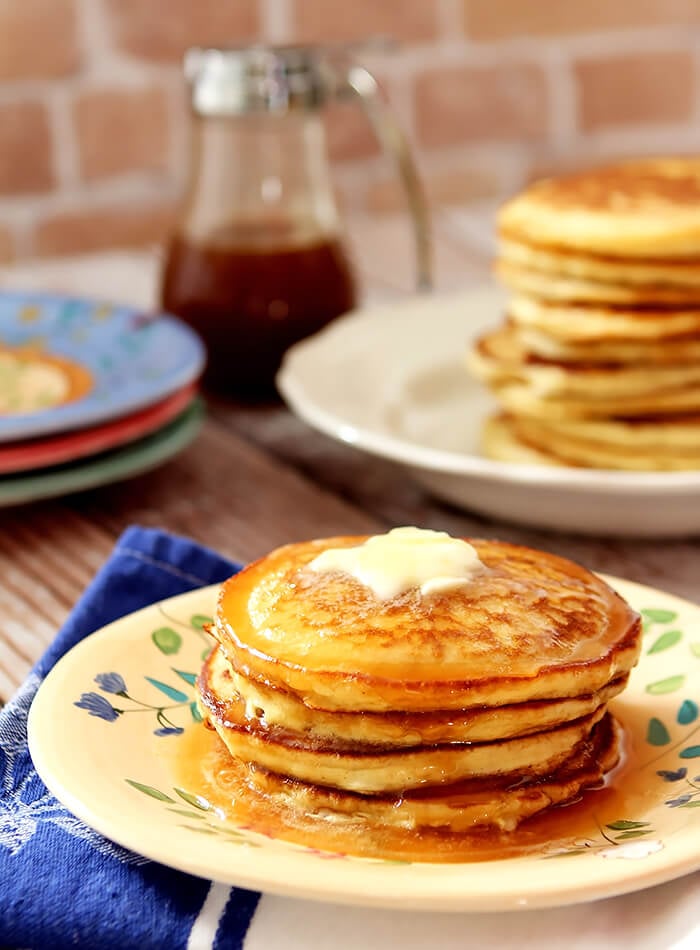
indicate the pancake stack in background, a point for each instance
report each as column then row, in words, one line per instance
column 473, row 704
column 598, row 363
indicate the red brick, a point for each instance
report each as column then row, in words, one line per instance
column 38, row 39
column 624, row 90
column 496, row 19
column 99, row 229
column 122, row 130
column 25, row 148
column 326, row 22
column 470, row 104
column 163, row 29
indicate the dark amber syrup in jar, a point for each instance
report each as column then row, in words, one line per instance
column 249, row 304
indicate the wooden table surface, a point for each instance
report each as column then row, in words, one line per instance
column 256, row 477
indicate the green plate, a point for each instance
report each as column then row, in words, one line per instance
column 134, row 459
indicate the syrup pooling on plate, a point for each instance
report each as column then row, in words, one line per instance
column 583, row 825
column 499, row 674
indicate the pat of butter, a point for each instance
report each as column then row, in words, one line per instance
column 392, row 563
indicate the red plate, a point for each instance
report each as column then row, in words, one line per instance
column 39, row 453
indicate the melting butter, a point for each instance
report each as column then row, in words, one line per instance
column 392, row 563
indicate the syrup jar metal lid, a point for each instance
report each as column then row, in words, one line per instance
column 259, row 79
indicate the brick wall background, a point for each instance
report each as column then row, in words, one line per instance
column 93, row 114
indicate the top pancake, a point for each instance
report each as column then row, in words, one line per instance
column 638, row 209
column 530, row 626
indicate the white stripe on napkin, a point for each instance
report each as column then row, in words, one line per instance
column 205, row 926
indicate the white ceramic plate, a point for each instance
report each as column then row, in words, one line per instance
column 118, row 772
column 391, row 380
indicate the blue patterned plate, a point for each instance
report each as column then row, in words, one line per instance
column 66, row 363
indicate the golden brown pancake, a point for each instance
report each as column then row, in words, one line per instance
column 327, row 639
column 375, row 770
column 277, row 709
column 603, row 321
column 601, row 269
column 501, row 803
column 663, row 444
column 675, row 349
column 499, row 442
column 562, row 288
column 530, row 385
column 597, row 323
column 648, row 208
column 475, row 702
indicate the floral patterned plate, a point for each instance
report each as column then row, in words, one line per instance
column 67, row 363
column 109, row 726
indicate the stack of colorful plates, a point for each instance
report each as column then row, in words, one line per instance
column 90, row 393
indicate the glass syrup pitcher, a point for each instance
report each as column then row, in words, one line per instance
column 257, row 261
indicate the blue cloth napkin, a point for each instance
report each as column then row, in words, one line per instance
column 62, row 884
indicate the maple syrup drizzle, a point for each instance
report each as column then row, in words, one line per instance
column 205, row 768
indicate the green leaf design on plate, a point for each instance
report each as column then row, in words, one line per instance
column 693, row 804
column 639, row 833
column 625, row 825
column 194, row 710
column 669, row 685
column 690, row 752
column 167, row 640
column 201, row 803
column 187, row 677
column 176, row 695
column 198, row 621
column 186, row 813
column 687, row 712
column 654, row 615
column 695, row 648
column 657, row 733
column 150, row 791
column 665, row 641
column 205, row 652
column 200, row 830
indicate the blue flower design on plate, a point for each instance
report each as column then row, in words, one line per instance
column 114, row 684
column 111, row 682
column 98, row 706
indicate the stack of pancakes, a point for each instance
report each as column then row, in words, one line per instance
column 470, row 708
column 598, row 363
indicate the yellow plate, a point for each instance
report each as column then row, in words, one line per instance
column 117, row 771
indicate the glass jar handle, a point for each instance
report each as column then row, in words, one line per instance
column 361, row 83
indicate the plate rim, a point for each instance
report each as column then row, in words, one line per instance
column 448, row 892
column 76, row 415
column 73, row 445
column 36, row 485
column 290, row 382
